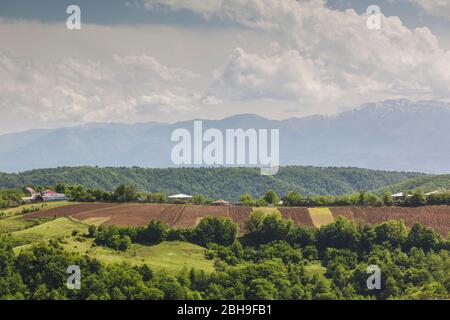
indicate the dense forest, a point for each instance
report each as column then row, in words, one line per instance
column 228, row 183
column 274, row 260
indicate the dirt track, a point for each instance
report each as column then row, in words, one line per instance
column 437, row 217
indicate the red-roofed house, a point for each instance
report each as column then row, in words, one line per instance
column 50, row 195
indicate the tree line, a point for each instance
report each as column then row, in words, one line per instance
column 128, row 192
column 209, row 230
column 364, row 198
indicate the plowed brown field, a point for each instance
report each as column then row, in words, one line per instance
column 192, row 215
column 239, row 214
column 437, row 217
column 300, row 216
column 142, row 214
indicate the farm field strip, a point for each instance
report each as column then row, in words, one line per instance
column 171, row 214
column 437, row 217
column 343, row 212
column 320, row 216
column 300, row 216
column 69, row 210
column 267, row 210
column 191, row 214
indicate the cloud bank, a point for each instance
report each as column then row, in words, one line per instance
column 278, row 56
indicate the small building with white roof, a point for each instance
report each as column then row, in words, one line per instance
column 180, row 198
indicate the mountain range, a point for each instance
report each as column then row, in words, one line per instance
column 398, row 135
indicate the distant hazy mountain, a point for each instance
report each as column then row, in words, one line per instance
column 392, row 135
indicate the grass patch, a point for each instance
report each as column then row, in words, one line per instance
column 57, row 228
column 170, row 256
column 173, row 256
column 17, row 223
column 12, row 220
column 40, row 206
column 321, row 216
column 267, row 210
column 14, row 223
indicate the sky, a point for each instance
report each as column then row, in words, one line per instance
column 172, row 60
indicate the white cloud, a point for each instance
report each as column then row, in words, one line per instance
column 283, row 76
column 212, row 101
column 167, row 102
column 266, row 56
column 251, row 13
column 149, row 66
column 325, row 55
column 204, row 7
column 438, row 8
column 76, row 91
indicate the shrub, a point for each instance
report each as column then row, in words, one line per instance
column 124, row 244
column 175, row 234
column 267, row 228
column 215, row 230
column 155, row 233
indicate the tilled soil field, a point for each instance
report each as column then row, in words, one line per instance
column 437, row 217
column 300, row 216
column 239, row 215
column 142, row 214
column 191, row 215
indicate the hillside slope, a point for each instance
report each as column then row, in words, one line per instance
column 226, row 183
column 424, row 183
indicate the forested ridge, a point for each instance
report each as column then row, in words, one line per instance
column 227, row 183
column 425, row 183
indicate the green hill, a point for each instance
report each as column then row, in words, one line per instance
column 57, row 228
column 170, row 256
column 215, row 182
column 424, row 183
